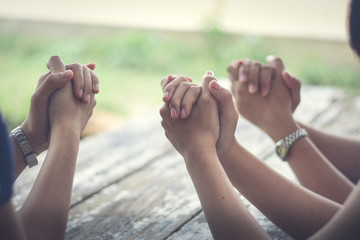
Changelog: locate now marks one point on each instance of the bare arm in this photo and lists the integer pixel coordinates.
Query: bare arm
(10, 224)
(195, 139)
(226, 215)
(44, 213)
(296, 210)
(346, 222)
(343, 152)
(273, 114)
(36, 126)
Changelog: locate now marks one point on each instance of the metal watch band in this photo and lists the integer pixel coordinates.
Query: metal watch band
(24, 145)
(283, 146)
(299, 133)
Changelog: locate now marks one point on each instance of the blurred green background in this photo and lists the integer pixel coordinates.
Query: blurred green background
(130, 63)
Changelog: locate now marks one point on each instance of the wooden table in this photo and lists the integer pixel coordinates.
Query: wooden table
(131, 184)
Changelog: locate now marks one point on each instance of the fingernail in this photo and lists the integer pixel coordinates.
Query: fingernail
(243, 78)
(252, 88)
(264, 92)
(239, 63)
(171, 77)
(215, 86)
(166, 95)
(270, 57)
(81, 93)
(288, 75)
(210, 73)
(174, 113)
(189, 78)
(183, 113)
(66, 74)
(96, 87)
(87, 98)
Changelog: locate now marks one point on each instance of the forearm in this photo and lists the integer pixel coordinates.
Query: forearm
(346, 222)
(10, 225)
(311, 167)
(227, 217)
(296, 210)
(45, 211)
(343, 152)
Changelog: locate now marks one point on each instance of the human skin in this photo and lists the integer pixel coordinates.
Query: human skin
(44, 212)
(255, 180)
(36, 126)
(342, 151)
(195, 138)
(273, 114)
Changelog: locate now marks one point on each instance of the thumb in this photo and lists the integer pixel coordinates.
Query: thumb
(294, 86)
(55, 64)
(222, 96)
(51, 84)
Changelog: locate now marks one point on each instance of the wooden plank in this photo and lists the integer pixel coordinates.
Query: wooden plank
(197, 228)
(150, 204)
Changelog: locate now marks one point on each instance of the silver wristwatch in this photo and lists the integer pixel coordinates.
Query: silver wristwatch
(24, 145)
(282, 147)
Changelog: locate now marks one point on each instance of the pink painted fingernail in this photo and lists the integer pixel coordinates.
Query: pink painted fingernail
(252, 88)
(215, 86)
(87, 98)
(166, 96)
(189, 78)
(211, 73)
(264, 92)
(96, 87)
(183, 113)
(171, 77)
(174, 113)
(243, 78)
(288, 75)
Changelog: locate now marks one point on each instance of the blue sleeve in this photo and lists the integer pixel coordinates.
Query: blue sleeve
(6, 163)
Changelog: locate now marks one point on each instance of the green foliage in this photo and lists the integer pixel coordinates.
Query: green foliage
(131, 63)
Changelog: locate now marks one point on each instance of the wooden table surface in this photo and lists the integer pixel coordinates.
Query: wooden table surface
(131, 184)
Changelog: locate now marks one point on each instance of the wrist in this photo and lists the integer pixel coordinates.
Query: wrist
(199, 155)
(65, 129)
(282, 128)
(36, 143)
(224, 149)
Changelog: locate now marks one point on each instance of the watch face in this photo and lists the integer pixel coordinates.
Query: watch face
(281, 150)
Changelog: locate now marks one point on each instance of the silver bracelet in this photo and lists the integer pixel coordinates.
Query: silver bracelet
(282, 147)
(24, 145)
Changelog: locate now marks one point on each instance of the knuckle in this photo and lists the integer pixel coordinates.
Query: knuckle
(184, 84)
(195, 89)
(76, 65)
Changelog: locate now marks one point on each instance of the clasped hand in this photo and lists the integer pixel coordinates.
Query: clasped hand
(213, 116)
(42, 115)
